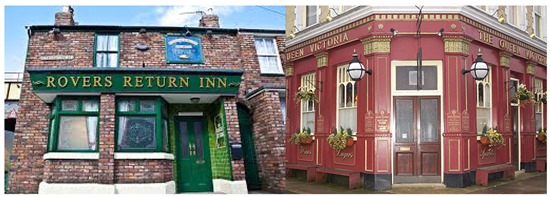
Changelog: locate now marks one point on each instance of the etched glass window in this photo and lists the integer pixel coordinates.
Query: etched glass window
(308, 106)
(429, 120)
(74, 124)
(347, 100)
(483, 103)
(405, 119)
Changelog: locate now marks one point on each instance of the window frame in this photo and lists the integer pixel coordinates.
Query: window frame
(55, 117)
(97, 34)
(312, 76)
(339, 81)
(537, 23)
(276, 55)
(160, 116)
(486, 81)
(539, 107)
(317, 14)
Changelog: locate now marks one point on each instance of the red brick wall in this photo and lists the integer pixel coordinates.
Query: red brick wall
(106, 138)
(71, 171)
(143, 171)
(268, 130)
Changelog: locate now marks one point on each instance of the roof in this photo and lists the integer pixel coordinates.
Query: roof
(112, 28)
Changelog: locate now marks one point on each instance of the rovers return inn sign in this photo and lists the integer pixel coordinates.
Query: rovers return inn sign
(135, 80)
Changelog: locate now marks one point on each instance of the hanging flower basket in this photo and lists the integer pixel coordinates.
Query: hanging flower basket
(523, 94)
(543, 98)
(306, 140)
(349, 142)
(541, 138)
(305, 94)
(541, 135)
(484, 140)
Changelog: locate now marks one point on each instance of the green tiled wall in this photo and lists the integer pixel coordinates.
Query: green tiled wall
(221, 164)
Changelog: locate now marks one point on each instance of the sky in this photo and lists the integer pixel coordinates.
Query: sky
(17, 17)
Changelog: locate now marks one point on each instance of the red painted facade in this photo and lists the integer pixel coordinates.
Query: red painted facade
(460, 152)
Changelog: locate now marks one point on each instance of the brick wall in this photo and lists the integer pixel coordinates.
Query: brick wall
(71, 171)
(232, 120)
(143, 171)
(269, 139)
(106, 138)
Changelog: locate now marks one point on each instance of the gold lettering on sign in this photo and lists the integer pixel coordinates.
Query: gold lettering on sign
(303, 151)
(295, 54)
(485, 37)
(50, 82)
(171, 82)
(149, 81)
(108, 81)
(139, 82)
(163, 82)
(509, 46)
(97, 81)
(62, 81)
(535, 56)
(75, 82)
(184, 81)
(127, 81)
(487, 152)
(344, 155)
(542, 146)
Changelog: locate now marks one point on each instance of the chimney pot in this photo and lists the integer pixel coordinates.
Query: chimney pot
(209, 20)
(65, 17)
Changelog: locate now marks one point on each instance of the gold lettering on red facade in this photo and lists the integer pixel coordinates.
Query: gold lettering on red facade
(486, 37)
(303, 151)
(344, 155)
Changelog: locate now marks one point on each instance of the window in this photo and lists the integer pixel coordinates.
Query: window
(142, 124)
(311, 15)
(308, 107)
(538, 20)
(282, 101)
(513, 89)
(106, 50)
(483, 103)
(512, 15)
(74, 124)
(268, 56)
(538, 105)
(346, 100)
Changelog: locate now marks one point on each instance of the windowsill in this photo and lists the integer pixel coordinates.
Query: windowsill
(272, 74)
(70, 155)
(157, 155)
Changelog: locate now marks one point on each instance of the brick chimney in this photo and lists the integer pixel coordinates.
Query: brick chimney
(209, 20)
(65, 17)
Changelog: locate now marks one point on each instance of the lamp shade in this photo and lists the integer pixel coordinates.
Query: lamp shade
(355, 70)
(479, 69)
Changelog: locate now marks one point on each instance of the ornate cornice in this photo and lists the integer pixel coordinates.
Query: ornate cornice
(376, 44)
(530, 68)
(322, 59)
(457, 44)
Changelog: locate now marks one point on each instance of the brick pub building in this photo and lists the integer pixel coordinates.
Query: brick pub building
(402, 133)
(144, 109)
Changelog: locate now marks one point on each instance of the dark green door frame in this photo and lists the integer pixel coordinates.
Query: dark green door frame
(253, 181)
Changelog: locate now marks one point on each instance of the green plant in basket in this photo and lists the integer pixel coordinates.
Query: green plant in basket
(523, 94)
(541, 135)
(306, 94)
(301, 137)
(339, 140)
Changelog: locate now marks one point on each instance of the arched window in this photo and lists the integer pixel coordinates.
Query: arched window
(484, 103)
(346, 100)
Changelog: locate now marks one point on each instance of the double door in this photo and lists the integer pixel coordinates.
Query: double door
(417, 157)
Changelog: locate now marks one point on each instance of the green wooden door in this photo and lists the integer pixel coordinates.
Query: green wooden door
(193, 155)
(253, 181)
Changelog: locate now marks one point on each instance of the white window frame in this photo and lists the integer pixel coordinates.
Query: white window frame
(539, 107)
(538, 30)
(343, 78)
(511, 99)
(307, 81)
(317, 13)
(485, 105)
(269, 55)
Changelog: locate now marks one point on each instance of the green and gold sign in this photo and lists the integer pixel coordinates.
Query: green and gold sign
(191, 81)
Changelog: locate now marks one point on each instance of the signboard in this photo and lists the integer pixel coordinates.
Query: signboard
(151, 81)
(183, 49)
(56, 57)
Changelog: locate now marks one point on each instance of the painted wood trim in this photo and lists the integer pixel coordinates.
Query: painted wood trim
(167, 156)
(70, 155)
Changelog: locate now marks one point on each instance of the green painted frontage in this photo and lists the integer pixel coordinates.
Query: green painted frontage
(219, 155)
(142, 80)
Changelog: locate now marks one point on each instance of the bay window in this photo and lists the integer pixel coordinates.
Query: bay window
(74, 124)
(141, 124)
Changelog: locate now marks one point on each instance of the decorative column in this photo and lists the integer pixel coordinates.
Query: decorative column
(291, 87)
(459, 137)
(321, 134)
(528, 121)
(504, 113)
(377, 136)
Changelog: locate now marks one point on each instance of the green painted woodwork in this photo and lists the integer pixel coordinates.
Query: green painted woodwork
(194, 156)
(249, 153)
(158, 114)
(95, 46)
(57, 113)
(221, 162)
(150, 81)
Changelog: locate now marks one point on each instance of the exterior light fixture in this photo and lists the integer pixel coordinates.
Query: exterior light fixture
(292, 35)
(532, 36)
(195, 100)
(394, 31)
(501, 19)
(329, 18)
(55, 31)
(356, 70)
(479, 69)
(440, 32)
(142, 31)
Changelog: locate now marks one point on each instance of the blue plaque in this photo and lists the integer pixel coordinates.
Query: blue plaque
(183, 50)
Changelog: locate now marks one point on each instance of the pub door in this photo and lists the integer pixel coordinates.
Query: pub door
(417, 148)
(515, 123)
(193, 155)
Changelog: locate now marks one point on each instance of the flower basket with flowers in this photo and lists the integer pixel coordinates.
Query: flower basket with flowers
(523, 94)
(541, 135)
(494, 137)
(305, 94)
(543, 98)
(302, 137)
(340, 139)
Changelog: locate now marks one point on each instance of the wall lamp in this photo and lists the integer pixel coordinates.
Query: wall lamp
(356, 70)
(292, 35)
(440, 32)
(195, 100)
(329, 18)
(142, 31)
(479, 69)
(394, 31)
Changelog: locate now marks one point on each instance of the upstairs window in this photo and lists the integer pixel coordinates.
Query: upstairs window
(106, 50)
(268, 56)
(312, 15)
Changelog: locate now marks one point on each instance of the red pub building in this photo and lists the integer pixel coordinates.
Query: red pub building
(409, 127)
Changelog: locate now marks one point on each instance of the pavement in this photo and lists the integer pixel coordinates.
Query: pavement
(525, 183)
